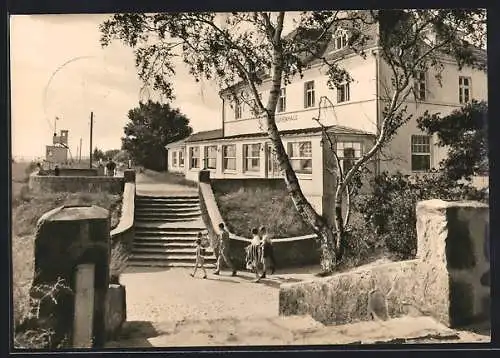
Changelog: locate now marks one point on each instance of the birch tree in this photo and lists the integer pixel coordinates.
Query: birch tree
(240, 50)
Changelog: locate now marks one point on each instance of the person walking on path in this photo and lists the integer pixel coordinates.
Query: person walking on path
(224, 251)
(110, 167)
(268, 261)
(254, 254)
(200, 251)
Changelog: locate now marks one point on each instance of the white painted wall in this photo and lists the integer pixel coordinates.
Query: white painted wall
(441, 99)
(358, 113)
(175, 151)
(311, 184)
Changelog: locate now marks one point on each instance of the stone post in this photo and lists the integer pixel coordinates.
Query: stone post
(67, 237)
(204, 176)
(453, 249)
(129, 176)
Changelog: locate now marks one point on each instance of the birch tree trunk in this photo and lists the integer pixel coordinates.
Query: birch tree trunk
(304, 208)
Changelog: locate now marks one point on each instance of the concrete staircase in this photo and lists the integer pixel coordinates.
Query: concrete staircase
(165, 232)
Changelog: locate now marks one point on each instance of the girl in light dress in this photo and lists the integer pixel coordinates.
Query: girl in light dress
(200, 252)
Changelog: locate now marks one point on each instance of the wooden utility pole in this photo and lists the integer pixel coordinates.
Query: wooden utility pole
(91, 128)
(80, 153)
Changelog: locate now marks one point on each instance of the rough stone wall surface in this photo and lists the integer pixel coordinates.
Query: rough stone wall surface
(46, 183)
(65, 238)
(343, 298)
(449, 279)
(452, 240)
(295, 252)
(115, 309)
(288, 252)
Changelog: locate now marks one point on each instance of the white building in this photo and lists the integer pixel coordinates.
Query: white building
(241, 149)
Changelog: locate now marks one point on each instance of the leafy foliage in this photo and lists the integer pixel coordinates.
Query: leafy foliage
(152, 126)
(389, 212)
(465, 133)
(122, 156)
(98, 154)
(111, 153)
(241, 50)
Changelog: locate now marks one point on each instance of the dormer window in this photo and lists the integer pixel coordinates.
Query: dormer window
(340, 39)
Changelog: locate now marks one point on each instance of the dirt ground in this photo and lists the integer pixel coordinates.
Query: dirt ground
(168, 308)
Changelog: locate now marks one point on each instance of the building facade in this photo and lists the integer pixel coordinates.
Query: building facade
(351, 112)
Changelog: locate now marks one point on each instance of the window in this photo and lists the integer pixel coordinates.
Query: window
(237, 109)
(420, 153)
(300, 154)
(464, 89)
(309, 94)
(282, 101)
(194, 157)
(229, 157)
(181, 158)
(211, 157)
(174, 158)
(420, 86)
(340, 40)
(348, 153)
(343, 94)
(251, 157)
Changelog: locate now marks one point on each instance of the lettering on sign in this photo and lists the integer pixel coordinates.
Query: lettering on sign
(291, 117)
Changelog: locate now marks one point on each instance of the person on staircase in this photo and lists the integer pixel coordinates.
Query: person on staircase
(224, 253)
(200, 252)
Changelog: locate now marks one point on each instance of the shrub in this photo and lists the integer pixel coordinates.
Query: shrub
(117, 262)
(389, 212)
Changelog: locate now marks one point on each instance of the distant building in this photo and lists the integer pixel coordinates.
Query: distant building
(241, 149)
(58, 151)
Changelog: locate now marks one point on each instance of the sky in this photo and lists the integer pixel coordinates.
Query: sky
(58, 69)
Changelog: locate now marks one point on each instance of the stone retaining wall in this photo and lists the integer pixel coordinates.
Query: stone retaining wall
(449, 279)
(289, 252)
(116, 303)
(52, 183)
(124, 231)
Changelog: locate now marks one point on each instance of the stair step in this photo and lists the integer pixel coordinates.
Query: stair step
(167, 234)
(169, 197)
(167, 257)
(169, 251)
(167, 219)
(167, 209)
(174, 226)
(166, 204)
(138, 263)
(166, 238)
(167, 214)
(174, 243)
(168, 201)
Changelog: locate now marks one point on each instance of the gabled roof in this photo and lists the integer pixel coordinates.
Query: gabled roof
(217, 133)
(175, 144)
(205, 135)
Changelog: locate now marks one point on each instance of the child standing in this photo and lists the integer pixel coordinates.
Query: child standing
(256, 253)
(267, 252)
(200, 251)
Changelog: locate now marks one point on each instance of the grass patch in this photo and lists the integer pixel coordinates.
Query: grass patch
(165, 177)
(27, 208)
(246, 208)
